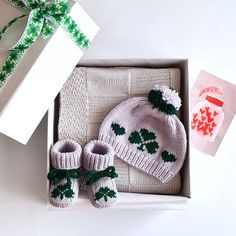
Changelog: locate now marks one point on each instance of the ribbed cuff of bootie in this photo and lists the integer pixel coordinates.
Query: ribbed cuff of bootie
(98, 155)
(98, 159)
(66, 154)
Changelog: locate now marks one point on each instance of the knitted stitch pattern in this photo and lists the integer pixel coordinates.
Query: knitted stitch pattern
(146, 138)
(65, 157)
(98, 157)
(93, 93)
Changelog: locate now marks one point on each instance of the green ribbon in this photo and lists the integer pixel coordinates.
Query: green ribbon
(93, 176)
(44, 16)
(55, 175)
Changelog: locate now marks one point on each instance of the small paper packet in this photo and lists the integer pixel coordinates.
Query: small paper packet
(213, 108)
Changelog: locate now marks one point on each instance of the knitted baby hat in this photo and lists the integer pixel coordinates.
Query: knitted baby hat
(146, 133)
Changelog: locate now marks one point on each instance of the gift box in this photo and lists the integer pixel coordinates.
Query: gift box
(41, 72)
(137, 200)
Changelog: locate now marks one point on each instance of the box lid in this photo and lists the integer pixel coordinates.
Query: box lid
(25, 106)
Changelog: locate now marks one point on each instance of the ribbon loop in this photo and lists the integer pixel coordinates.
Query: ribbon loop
(9, 24)
(44, 18)
(19, 4)
(57, 8)
(93, 176)
(56, 175)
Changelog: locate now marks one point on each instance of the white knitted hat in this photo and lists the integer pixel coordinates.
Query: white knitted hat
(146, 133)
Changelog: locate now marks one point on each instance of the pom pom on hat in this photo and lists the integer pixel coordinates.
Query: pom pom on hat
(165, 99)
(153, 142)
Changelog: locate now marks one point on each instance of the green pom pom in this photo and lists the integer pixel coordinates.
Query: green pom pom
(155, 98)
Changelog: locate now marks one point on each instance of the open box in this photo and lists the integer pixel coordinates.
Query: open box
(137, 200)
(45, 67)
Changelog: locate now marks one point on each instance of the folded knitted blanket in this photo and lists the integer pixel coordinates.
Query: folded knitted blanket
(91, 93)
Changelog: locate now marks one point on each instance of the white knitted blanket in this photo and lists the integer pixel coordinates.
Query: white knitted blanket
(91, 93)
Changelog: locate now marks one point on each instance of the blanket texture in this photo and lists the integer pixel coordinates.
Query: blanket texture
(91, 93)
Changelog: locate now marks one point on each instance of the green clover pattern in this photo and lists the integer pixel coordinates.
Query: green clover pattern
(105, 193)
(167, 156)
(118, 129)
(38, 24)
(145, 140)
(63, 190)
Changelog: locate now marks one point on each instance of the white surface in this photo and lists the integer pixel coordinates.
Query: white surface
(28, 105)
(202, 30)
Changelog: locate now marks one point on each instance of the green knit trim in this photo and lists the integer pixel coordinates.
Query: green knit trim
(155, 97)
(168, 157)
(105, 192)
(145, 140)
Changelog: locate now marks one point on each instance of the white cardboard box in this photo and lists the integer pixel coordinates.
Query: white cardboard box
(39, 76)
(137, 200)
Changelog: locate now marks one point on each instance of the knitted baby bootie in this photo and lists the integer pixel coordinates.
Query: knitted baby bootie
(64, 174)
(98, 159)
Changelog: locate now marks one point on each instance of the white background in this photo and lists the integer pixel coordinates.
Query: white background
(202, 30)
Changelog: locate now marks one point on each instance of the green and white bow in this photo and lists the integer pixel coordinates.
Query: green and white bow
(44, 16)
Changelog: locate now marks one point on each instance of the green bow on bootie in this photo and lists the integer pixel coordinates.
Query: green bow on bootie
(55, 175)
(63, 190)
(44, 16)
(93, 176)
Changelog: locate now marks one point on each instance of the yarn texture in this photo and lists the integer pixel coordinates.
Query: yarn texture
(64, 174)
(98, 159)
(154, 140)
(92, 93)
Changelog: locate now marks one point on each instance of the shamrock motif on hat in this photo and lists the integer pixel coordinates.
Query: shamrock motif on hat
(146, 133)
